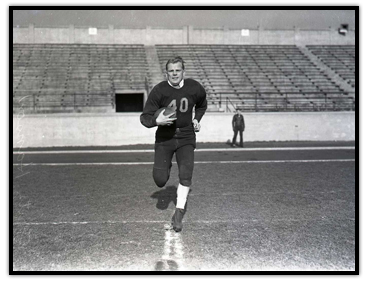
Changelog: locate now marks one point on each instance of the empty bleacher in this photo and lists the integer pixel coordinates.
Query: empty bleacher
(259, 77)
(340, 58)
(75, 76)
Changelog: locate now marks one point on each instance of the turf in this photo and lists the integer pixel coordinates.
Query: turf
(253, 216)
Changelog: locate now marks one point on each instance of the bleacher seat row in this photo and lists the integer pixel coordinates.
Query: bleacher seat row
(340, 58)
(252, 77)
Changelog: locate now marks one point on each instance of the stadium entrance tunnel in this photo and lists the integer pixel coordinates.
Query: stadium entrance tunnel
(130, 101)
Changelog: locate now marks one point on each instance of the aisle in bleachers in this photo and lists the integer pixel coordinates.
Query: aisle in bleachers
(340, 58)
(259, 77)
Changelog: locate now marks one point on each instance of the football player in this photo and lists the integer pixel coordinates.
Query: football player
(175, 134)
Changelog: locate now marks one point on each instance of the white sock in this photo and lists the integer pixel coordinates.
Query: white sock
(182, 194)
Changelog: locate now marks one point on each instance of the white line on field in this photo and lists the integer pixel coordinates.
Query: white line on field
(86, 222)
(197, 162)
(197, 150)
(152, 221)
(173, 250)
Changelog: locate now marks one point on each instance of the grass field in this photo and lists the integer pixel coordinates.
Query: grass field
(276, 210)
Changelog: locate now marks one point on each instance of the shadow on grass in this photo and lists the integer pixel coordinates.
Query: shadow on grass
(165, 197)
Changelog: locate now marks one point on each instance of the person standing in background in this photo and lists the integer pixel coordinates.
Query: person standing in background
(238, 126)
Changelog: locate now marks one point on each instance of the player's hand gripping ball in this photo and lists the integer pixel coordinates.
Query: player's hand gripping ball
(196, 125)
(165, 116)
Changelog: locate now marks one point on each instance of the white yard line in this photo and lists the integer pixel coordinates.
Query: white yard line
(197, 162)
(197, 150)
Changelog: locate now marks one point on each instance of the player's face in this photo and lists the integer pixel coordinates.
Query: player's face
(175, 73)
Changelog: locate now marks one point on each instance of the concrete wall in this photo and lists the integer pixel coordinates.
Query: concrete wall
(21, 35)
(129, 36)
(185, 35)
(122, 129)
(277, 37)
(51, 35)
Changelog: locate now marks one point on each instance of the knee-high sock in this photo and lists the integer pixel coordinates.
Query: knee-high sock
(182, 194)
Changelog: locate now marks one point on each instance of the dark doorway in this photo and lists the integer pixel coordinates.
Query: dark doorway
(129, 102)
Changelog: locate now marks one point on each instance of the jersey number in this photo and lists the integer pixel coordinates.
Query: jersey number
(183, 105)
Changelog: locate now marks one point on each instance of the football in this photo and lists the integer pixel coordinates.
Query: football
(167, 111)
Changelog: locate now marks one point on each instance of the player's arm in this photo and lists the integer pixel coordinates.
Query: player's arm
(200, 108)
(201, 104)
(151, 106)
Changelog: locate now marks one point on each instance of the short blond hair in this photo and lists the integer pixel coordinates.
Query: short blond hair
(175, 60)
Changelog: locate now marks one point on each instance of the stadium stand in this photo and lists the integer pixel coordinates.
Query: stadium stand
(85, 77)
(340, 58)
(260, 77)
(66, 77)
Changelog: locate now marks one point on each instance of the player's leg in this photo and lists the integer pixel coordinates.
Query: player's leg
(164, 152)
(241, 138)
(234, 138)
(185, 160)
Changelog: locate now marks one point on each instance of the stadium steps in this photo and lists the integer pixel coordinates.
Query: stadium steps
(334, 76)
(340, 58)
(155, 73)
(230, 72)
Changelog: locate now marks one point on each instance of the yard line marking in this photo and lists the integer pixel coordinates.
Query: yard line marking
(196, 162)
(197, 150)
(278, 149)
(176, 235)
(66, 164)
(87, 222)
(172, 257)
(276, 161)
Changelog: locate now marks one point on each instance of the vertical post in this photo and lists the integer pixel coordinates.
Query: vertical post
(190, 34)
(71, 33)
(185, 35)
(330, 34)
(31, 35)
(225, 36)
(286, 101)
(325, 106)
(111, 34)
(255, 104)
(260, 31)
(220, 101)
(148, 36)
(296, 35)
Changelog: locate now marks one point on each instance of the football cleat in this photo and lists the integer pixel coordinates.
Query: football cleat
(176, 220)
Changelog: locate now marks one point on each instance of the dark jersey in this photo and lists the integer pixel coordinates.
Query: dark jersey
(238, 122)
(191, 95)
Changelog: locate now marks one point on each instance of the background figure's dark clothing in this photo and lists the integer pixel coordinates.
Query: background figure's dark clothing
(238, 126)
(236, 135)
(178, 138)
